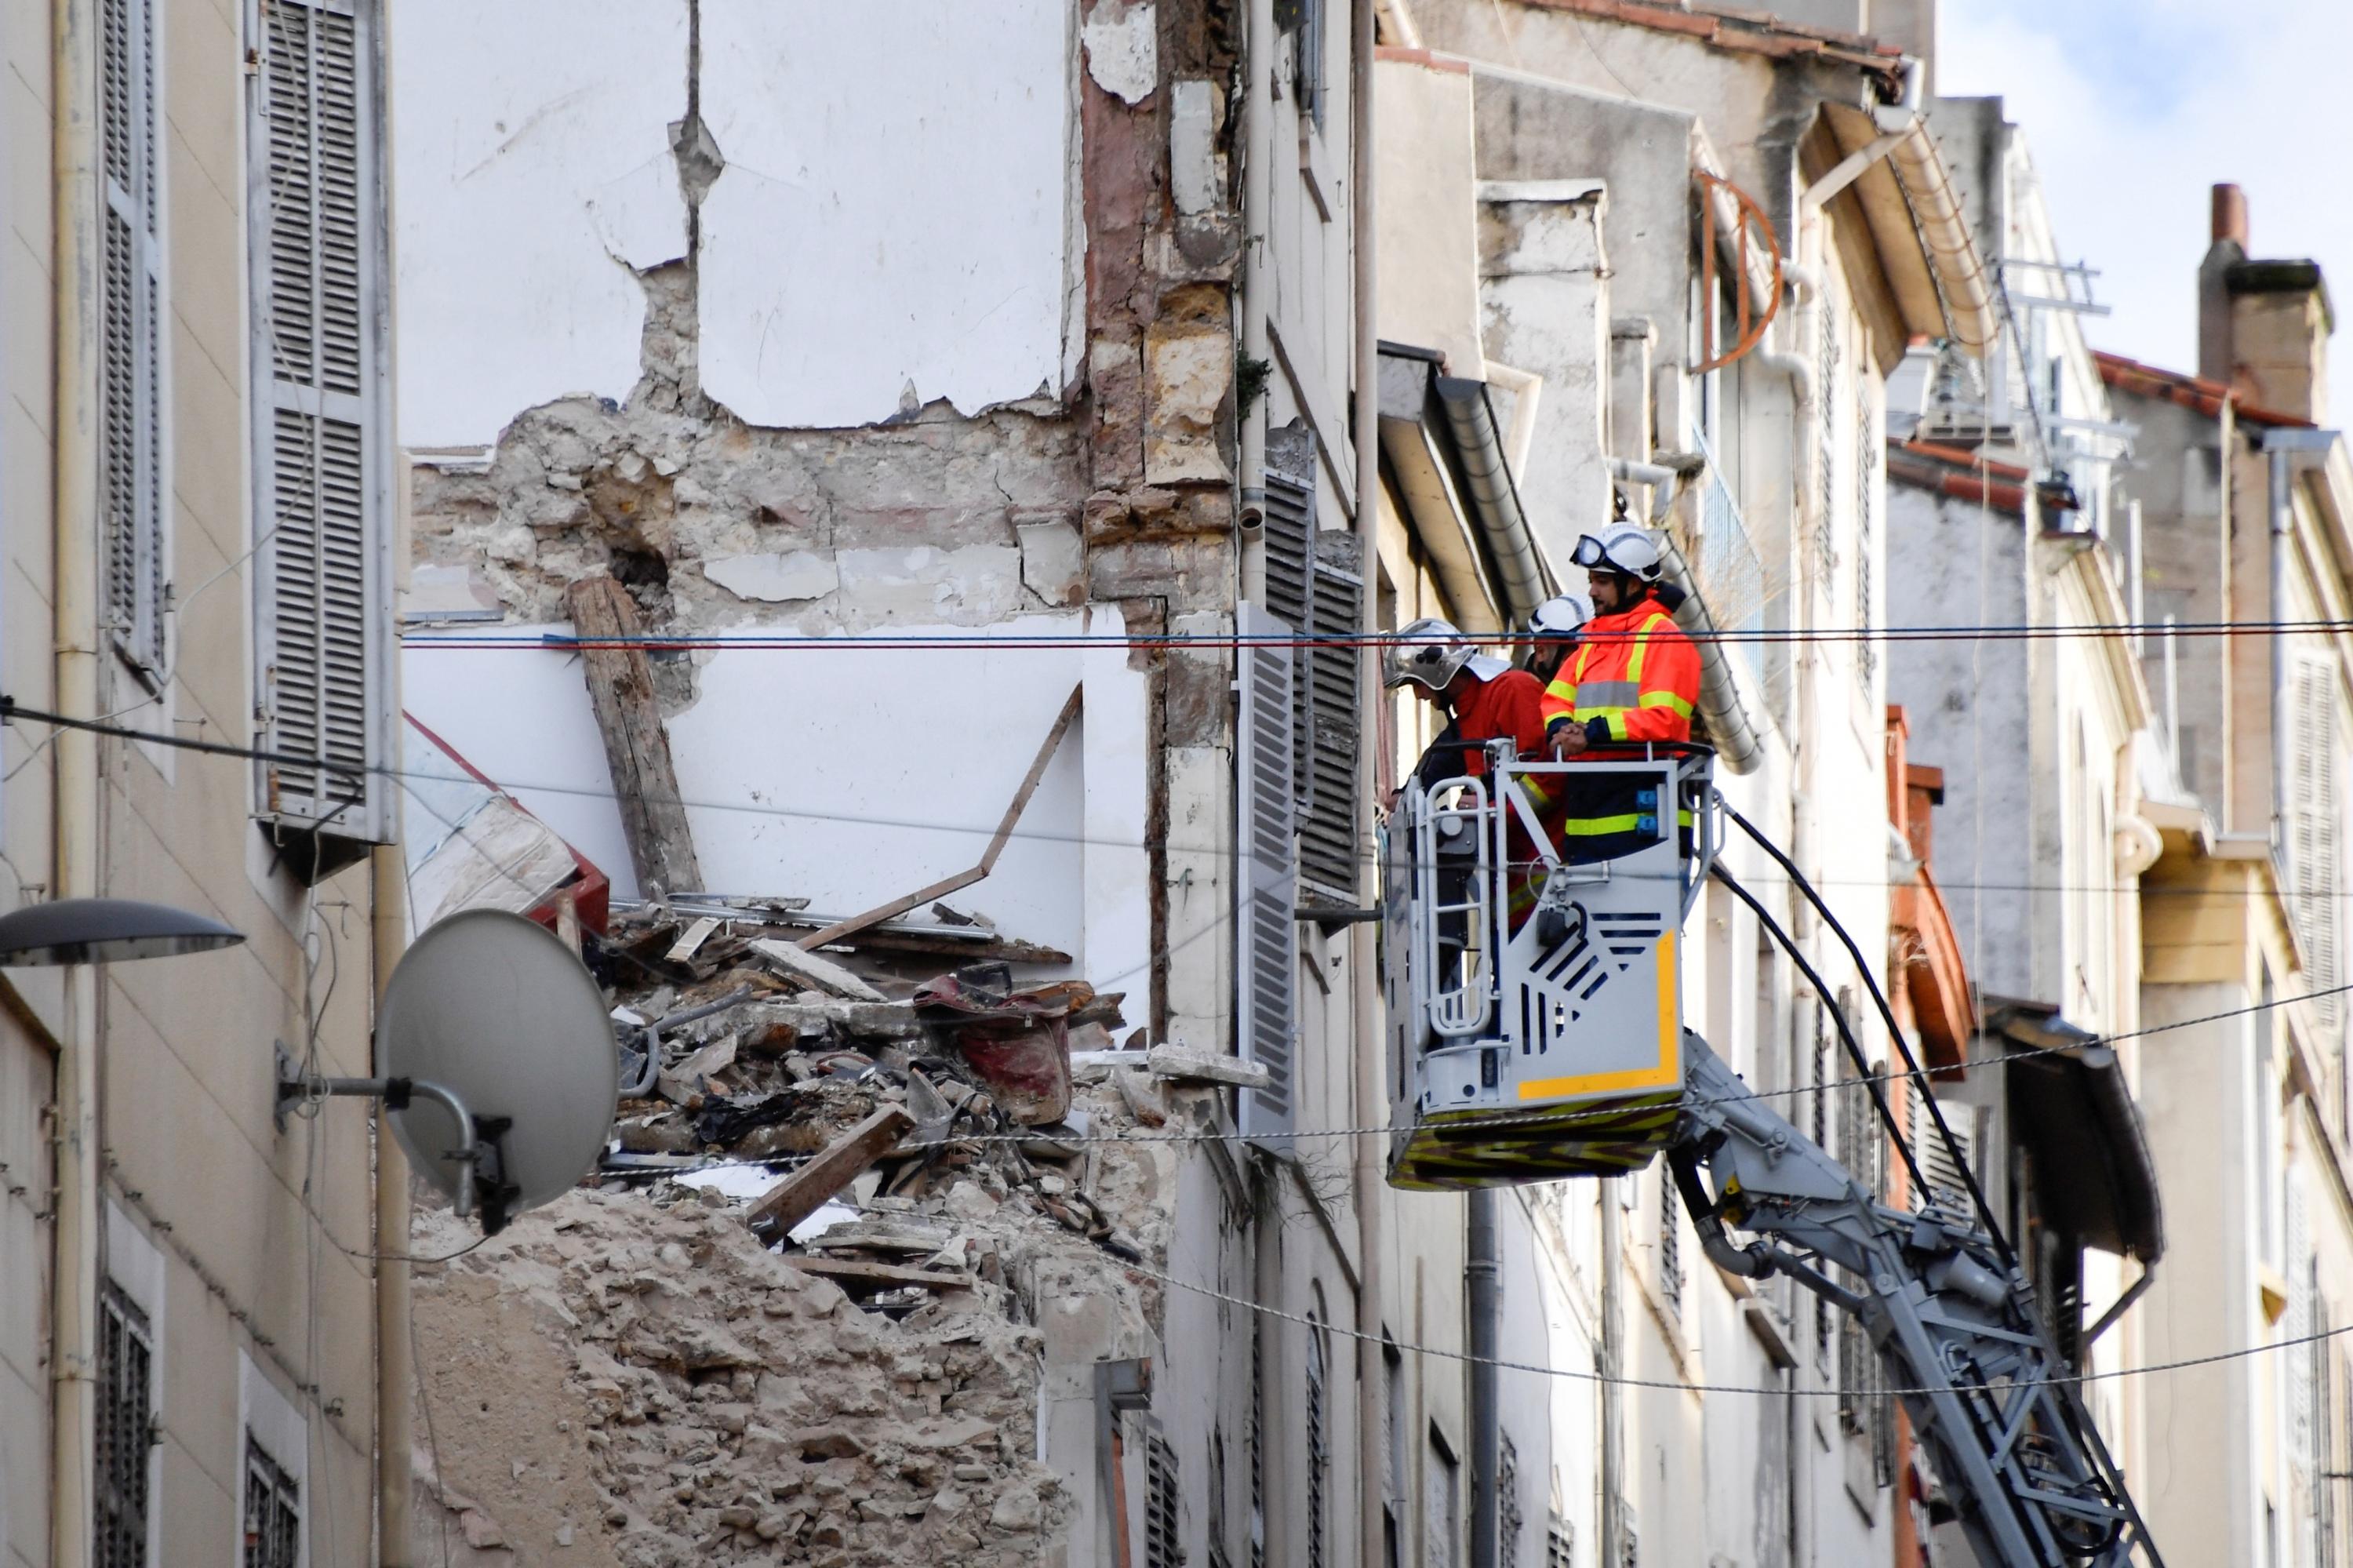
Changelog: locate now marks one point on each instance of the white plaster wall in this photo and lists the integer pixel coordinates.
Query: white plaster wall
(849, 775)
(521, 715)
(532, 170)
(1428, 221)
(890, 228)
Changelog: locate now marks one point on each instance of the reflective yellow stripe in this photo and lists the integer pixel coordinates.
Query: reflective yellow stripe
(1666, 700)
(1616, 723)
(1596, 827)
(1641, 647)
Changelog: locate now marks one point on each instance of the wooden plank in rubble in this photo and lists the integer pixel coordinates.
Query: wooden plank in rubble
(637, 746)
(798, 1195)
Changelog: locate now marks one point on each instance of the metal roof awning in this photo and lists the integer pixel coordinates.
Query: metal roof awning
(1443, 452)
(2072, 1107)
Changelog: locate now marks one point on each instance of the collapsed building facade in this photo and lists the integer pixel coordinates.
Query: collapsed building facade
(934, 394)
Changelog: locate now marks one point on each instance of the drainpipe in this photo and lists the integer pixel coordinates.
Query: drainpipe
(1483, 1273)
(1613, 1400)
(387, 876)
(74, 543)
(1257, 274)
(1364, 1000)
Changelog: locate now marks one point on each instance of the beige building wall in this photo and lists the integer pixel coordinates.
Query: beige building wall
(246, 1247)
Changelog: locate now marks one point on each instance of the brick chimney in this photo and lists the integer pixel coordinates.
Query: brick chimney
(2226, 247)
(2263, 326)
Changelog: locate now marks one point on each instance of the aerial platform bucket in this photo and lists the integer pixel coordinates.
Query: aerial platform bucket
(1535, 1023)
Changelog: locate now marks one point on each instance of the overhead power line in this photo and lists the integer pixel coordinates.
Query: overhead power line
(770, 642)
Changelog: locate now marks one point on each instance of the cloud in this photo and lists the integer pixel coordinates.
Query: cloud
(2132, 109)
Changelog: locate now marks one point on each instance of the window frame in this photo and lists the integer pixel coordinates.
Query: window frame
(271, 1427)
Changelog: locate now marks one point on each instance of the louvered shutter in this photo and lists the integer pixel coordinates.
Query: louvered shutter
(1329, 862)
(1936, 1160)
(1163, 1539)
(2315, 849)
(2301, 1289)
(1314, 582)
(321, 452)
(1289, 532)
(131, 340)
(1266, 963)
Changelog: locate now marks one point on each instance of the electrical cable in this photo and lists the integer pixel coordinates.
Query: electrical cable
(1276, 1139)
(1132, 641)
(1876, 1081)
(2070, 1380)
(10, 709)
(1894, 1030)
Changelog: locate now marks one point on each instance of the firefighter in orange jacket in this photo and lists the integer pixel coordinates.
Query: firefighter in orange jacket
(1634, 678)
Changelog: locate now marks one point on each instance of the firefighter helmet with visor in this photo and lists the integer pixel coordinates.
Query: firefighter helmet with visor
(1629, 551)
(1430, 653)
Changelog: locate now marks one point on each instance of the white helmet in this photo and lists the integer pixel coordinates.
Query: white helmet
(1623, 548)
(1430, 653)
(1561, 616)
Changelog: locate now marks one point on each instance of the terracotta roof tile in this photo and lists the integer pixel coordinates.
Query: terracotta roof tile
(2194, 392)
(1747, 31)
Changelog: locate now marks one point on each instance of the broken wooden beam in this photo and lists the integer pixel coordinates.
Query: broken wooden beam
(798, 1195)
(987, 863)
(637, 746)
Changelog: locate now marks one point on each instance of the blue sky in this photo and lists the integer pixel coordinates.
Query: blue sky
(2134, 108)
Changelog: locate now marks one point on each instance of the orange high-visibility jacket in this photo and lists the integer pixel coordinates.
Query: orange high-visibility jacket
(1635, 676)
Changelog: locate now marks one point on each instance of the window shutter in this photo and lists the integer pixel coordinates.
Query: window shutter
(1315, 583)
(2314, 849)
(321, 460)
(131, 346)
(1163, 1543)
(1329, 860)
(1937, 1160)
(1266, 960)
(2302, 1287)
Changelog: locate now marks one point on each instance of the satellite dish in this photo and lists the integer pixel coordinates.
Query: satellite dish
(500, 1013)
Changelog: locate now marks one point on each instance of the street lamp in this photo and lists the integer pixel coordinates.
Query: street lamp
(106, 931)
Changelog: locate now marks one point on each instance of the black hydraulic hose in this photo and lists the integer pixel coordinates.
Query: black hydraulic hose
(1846, 1030)
(1894, 1032)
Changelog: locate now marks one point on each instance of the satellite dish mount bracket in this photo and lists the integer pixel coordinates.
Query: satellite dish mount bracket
(480, 1161)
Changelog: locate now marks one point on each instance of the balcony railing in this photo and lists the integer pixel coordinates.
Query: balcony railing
(1723, 564)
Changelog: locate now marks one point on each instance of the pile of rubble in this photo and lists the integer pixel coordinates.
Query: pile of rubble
(794, 1321)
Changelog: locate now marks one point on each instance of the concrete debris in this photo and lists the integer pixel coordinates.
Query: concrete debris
(818, 970)
(642, 1375)
(631, 1372)
(1176, 1062)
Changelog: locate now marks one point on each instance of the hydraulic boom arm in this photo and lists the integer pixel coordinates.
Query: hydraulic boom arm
(1986, 1393)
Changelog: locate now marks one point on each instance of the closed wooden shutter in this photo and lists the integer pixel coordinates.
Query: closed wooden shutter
(1315, 583)
(131, 342)
(2302, 1287)
(2315, 849)
(1330, 865)
(1163, 1539)
(1266, 958)
(325, 613)
(1950, 1188)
